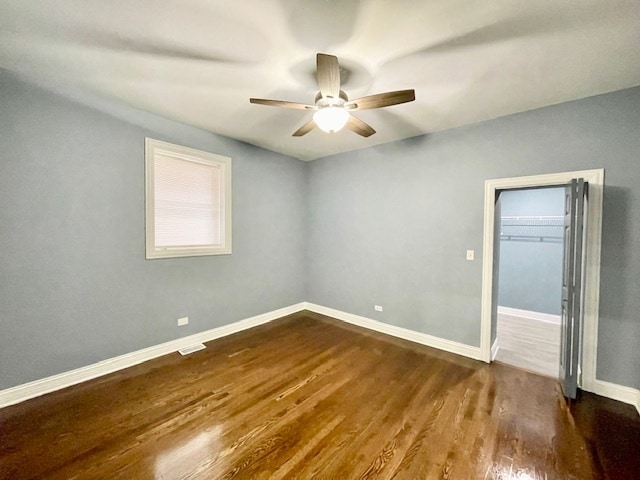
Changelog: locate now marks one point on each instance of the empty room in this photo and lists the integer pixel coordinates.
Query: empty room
(319, 239)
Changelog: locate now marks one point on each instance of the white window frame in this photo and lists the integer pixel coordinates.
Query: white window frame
(156, 147)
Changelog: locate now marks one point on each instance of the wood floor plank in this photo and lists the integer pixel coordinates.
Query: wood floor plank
(308, 397)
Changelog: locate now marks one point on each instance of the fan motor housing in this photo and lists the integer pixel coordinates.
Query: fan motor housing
(322, 102)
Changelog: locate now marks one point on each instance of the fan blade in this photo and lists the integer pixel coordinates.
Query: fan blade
(328, 72)
(381, 100)
(282, 103)
(304, 129)
(356, 125)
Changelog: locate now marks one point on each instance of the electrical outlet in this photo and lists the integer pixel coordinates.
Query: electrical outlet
(377, 308)
(183, 321)
(470, 254)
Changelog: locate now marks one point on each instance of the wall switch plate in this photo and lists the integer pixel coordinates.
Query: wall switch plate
(183, 321)
(470, 254)
(377, 308)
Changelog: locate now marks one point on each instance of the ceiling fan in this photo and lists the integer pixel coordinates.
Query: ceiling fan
(332, 106)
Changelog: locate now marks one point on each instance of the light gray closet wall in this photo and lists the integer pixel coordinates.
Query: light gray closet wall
(530, 269)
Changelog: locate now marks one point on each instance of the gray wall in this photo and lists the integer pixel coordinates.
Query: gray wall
(75, 287)
(390, 224)
(530, 273)
(385, 225)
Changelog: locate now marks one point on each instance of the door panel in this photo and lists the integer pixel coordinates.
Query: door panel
(571, 318)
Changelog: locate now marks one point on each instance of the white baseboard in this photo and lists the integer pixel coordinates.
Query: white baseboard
(417, 337)
(616, 392)
(494, 349)
(516, 312)
(599, 387)
(20, 393)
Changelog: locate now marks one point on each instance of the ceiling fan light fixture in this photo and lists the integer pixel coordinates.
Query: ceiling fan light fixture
(333, 107)
(331, 119)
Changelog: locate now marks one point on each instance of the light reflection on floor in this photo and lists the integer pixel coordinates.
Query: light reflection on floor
(203, 447)
(506, 471)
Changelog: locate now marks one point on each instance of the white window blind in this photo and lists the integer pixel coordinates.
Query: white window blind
(187, 202)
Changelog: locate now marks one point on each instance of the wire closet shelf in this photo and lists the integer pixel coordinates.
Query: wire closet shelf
(532, 229)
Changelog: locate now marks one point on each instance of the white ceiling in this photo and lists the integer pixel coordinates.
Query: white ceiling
(199, 61)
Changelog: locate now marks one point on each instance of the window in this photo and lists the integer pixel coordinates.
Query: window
(188, 201)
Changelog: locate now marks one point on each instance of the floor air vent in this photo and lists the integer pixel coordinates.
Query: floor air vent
(191, 349)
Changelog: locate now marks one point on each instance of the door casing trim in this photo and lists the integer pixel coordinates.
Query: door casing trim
(595, 179)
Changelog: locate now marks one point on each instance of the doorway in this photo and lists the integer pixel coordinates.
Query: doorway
(595, 179)
(530, 254)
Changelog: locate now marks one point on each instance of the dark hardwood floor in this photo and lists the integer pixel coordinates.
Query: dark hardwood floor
(310, 397)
